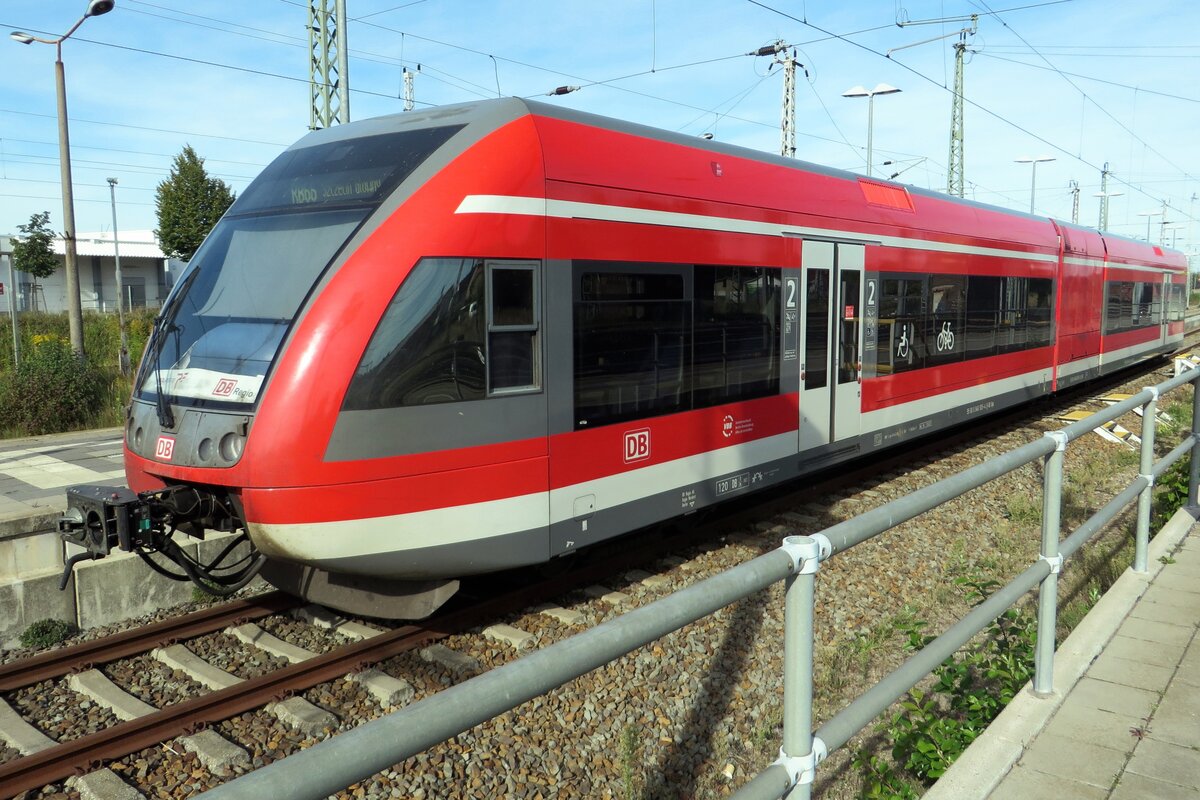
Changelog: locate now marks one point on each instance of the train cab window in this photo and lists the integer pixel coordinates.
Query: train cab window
(512, 355)
(429, 346)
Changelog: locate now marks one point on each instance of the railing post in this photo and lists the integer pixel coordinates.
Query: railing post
(1194, 477)
(1043, 675)
(1142, 535)
(800, 752)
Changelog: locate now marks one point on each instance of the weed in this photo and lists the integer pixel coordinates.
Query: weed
(1166, 560)
(880, 781)
(1175, 419)
(970, 689)
(631, 750)
(1024, 510)
(1171, 491)
(770, 728)
(47, 633)
(200, 595)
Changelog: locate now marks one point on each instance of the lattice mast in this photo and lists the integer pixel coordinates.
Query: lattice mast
(955, 181)
(329, 75)
(787, 123)
(956, 174)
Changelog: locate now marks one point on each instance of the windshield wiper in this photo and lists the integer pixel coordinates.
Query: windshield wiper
(166, 417)
(165, 324)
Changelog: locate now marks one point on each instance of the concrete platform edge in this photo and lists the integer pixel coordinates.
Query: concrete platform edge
(101, 592)
(980, 769)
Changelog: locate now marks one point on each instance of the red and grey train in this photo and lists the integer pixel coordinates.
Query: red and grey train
(481, 336)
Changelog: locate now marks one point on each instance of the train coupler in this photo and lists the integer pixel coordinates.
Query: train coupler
(101, 519)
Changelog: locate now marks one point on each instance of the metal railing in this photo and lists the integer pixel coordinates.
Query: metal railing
(375, 746)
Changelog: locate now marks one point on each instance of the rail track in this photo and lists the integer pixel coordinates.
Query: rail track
(485, 601)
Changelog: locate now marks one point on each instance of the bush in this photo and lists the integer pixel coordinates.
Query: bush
(47, 633)
(52, 390)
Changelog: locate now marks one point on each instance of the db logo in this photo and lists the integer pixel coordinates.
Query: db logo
(165, 448)
(637, 445)
(224, 388)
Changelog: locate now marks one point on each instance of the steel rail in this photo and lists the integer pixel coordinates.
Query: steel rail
(83, 754)
(56, 663)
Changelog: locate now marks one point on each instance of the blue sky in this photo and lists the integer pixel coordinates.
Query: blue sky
(1084, 81)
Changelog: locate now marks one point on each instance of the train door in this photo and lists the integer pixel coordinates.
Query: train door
(1164, 310)
(831, 342)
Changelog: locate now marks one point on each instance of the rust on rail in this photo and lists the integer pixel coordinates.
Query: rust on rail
(56, 663)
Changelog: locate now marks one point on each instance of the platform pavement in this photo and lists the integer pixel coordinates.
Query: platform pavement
(35, 471)
(1124, 721)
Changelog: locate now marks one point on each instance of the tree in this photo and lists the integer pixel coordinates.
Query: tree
(189, 204)
(33, 252)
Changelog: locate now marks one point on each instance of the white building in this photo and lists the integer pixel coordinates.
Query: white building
(146, 274)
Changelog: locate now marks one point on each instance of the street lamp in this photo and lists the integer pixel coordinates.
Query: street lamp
(859, 91)
(123, 356)
(1104, 206)
(1033, 180)
(74, 309)
(1148, 215)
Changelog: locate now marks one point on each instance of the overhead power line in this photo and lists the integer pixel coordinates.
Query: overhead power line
(973, 103)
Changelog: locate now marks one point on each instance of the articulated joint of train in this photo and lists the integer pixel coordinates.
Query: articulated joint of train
(103, 518)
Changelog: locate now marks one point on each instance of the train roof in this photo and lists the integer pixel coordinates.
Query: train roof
(491, 114)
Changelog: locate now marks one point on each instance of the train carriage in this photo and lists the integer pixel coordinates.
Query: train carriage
(482, 336)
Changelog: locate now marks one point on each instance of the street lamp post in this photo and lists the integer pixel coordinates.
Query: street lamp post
(1033, 179)
(1104, 206)
(859, 91)
(74, 308)
(123, 356)
(1149, 215)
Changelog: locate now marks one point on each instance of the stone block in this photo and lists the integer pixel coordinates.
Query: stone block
(121, 586)
(103, 784)
(34, 597)
(217, 754)
(30, 553)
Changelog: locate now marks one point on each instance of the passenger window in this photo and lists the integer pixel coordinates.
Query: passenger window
(736, 334)
(900, 343)
(983, 314)
(512, 328)
(1041, 312)
(946, 332)
(632, 346)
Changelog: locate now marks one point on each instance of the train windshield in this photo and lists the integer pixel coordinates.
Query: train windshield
(223, 324)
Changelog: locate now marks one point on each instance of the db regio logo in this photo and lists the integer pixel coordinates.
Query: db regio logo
(637, 445)
(224, 387)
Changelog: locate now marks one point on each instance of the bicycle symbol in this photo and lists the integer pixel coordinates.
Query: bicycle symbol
(945, 338)
(902, 345)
